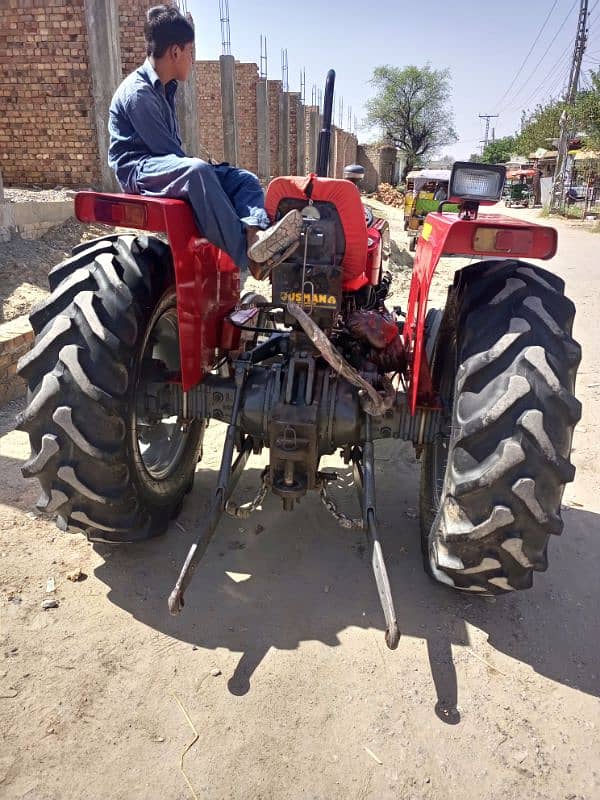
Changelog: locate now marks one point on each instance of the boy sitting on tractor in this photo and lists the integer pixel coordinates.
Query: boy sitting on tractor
(147, 156)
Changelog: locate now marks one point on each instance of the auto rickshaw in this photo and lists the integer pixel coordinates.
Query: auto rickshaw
(518, 190)
(425, 190)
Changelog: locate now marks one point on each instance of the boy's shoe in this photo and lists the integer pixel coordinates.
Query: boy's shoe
(262, 270)
(273, 245)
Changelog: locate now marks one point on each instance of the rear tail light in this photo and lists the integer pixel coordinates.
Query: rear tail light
(536, 241)
(120, 213)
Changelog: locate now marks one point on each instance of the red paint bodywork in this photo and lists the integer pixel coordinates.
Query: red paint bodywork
(446, 234)
(373, 267)
(207, 280)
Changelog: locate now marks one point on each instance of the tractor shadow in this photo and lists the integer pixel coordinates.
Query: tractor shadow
(276, 580)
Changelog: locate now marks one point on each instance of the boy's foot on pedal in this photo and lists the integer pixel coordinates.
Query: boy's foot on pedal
(268, 248)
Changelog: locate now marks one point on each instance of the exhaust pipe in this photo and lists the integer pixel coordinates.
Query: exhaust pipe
(322, 166)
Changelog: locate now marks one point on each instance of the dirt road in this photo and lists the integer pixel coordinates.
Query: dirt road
(275, 682)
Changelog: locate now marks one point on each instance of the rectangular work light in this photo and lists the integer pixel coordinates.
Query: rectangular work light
(481, 183)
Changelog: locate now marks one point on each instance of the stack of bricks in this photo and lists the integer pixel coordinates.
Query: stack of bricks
(47, 135)
(210, 112)
(16, 338)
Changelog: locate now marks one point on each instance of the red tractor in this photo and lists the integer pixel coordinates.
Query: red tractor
(144, 339)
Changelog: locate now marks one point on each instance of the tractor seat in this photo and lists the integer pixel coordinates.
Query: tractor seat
(345, 196)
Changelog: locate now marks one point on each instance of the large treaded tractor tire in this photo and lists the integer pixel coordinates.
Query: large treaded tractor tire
(492, 483)
(109, 303)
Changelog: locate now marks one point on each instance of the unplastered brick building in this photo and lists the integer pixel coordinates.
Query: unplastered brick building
(62, 59)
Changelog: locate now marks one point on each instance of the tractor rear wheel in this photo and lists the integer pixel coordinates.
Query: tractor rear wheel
(106, 335)
(492, 483)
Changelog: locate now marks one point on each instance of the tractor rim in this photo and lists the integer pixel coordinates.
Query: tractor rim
(442, 440)
(161, 442)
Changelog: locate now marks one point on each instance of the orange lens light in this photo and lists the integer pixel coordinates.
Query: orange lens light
(502, 240)
(120, 213)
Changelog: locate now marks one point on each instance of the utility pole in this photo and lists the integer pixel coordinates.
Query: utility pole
(560, 173)
(487, 118)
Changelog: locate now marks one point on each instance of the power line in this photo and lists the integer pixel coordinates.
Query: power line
(550, 74)
(537, 38)
(545, 53)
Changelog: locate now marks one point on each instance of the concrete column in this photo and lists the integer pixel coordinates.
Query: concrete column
(102, 22)
(187, 114)
(230, 134)
(284, 133)
(262, 130)
(300, 140)
(314, 126)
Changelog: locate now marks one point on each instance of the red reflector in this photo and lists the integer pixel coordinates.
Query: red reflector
(510, 241)
(121, 213)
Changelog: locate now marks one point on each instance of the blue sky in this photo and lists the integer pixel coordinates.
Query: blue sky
(483, 44)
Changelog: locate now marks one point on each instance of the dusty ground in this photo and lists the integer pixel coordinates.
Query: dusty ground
(24, 263)
(103, 696)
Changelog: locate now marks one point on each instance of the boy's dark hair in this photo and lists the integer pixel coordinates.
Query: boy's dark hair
(166, 26)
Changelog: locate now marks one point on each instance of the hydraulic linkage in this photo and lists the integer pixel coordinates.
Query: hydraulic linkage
(363, 460)
(229, 476)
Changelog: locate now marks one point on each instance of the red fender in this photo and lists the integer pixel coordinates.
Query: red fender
(206, 279)
(490, 235)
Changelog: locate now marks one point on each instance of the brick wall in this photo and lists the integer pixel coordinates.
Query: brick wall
(246, 78)
(16, 338)
(47, 126)
(47, 131)
(368, 157)
(345, 152)
(132, 14)
(273, 92)
(210, 113)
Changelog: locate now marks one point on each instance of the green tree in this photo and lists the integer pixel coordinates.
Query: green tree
(499, 151)
(412, 108)
(587, 111)
(539, 127)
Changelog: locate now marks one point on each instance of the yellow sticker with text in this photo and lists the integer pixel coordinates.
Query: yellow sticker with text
(427, 228)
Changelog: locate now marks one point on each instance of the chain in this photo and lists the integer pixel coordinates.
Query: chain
(346, 522)
(243, 512)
